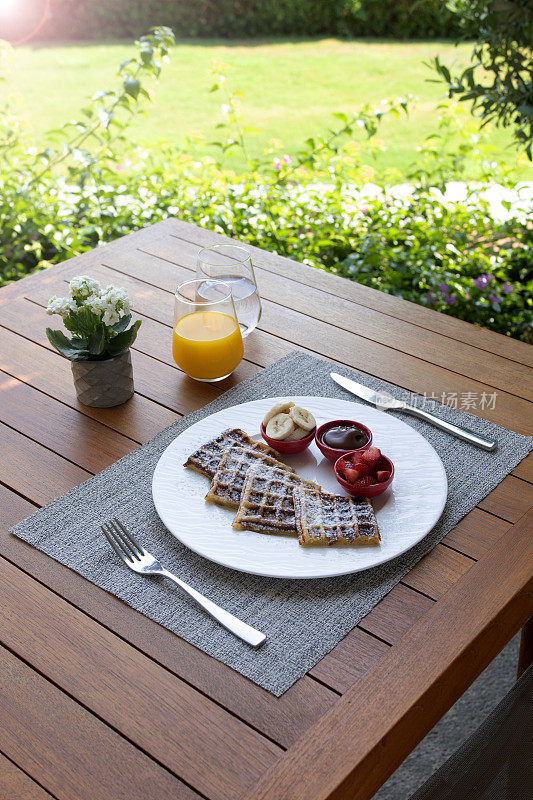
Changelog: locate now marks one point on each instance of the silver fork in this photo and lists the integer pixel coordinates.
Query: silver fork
(139, 560)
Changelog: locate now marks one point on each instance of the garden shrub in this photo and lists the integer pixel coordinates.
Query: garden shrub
(402, 19)
(502, 91)
(90, 185)
(112, 19)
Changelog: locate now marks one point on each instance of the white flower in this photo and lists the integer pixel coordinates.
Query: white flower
(60, 305)
(110, 317)
(82, 287)
(109, 304)
(95, 303)
(116, 299)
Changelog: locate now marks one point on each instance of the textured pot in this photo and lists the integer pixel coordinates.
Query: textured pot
(103, 383)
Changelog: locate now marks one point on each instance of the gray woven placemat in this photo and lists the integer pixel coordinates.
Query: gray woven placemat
(302, 619)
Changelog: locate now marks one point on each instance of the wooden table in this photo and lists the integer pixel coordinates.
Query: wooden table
(101, 702)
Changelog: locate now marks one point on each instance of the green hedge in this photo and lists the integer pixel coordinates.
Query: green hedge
(78, 191)
(104, 19)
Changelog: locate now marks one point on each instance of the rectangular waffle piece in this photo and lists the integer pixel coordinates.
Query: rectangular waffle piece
(326, 519)
(267, 504)
(207, 458)
(228, 480)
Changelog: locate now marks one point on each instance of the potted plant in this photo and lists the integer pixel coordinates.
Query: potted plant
(98, 349)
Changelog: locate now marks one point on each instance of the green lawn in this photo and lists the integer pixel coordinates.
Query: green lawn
(291, 88)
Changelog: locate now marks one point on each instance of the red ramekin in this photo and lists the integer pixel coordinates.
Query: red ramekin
(374, 489)
(333, 453)
(289, 448)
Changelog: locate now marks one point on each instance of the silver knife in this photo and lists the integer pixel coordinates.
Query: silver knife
(384, 400)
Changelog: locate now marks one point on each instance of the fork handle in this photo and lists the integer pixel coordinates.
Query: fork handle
(239, 628)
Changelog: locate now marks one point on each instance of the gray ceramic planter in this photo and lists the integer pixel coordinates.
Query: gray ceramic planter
(103, 383)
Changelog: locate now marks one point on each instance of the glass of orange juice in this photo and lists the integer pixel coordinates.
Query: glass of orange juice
(206, 342)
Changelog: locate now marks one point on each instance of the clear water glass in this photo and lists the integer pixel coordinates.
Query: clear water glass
(232, 263)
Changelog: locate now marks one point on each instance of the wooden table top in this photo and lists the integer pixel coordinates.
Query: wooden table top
(97, 701)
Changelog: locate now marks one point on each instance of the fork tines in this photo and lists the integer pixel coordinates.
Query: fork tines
(121, 540)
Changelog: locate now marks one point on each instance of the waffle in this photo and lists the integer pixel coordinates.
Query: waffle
(267, 504)
(229, 478)
(207, 458)
(326, 519)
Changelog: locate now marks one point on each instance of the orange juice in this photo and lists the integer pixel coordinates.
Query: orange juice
(207, 344)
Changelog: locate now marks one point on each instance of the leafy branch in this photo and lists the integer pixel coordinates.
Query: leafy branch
(283, 172)
(102, 122)
(499, 80)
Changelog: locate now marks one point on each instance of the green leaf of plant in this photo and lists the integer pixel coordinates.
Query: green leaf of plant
(82, 322)
(122, 324)
(445, 72)
(80, 343)
(132, 86)
(123, 340)
(65, 347)
(147, 55)
(70, 322)
(80, 355)
(96, 344)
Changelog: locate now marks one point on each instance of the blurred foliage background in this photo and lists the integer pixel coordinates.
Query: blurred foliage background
(115, 19)
(85, 181)
(291, 89)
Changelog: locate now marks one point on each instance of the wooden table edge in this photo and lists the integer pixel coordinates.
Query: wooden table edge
(352, 750)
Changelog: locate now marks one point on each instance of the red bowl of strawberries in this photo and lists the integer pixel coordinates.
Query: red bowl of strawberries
(364, 474)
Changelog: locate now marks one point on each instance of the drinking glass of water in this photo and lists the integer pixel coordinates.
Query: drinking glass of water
(231, 263)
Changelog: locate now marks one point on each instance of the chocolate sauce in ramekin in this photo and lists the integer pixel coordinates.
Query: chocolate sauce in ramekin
(345, 437)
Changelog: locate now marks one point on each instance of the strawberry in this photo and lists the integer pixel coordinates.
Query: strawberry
(357, 463)
(351, 474)
(358, 470)
(371, 456)
(367, 480)
(342, 466)
(383, 475)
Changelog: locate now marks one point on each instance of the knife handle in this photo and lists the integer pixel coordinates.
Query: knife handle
(455, 430)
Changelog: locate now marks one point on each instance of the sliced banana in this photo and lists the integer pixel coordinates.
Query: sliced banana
(280, 426)
(298, 433)
(282, 407)
(303, 418)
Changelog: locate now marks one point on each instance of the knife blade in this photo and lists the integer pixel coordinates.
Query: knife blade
(380, 399)
(384, 400)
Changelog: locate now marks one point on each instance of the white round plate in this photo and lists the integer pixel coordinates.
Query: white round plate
(406, 512)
